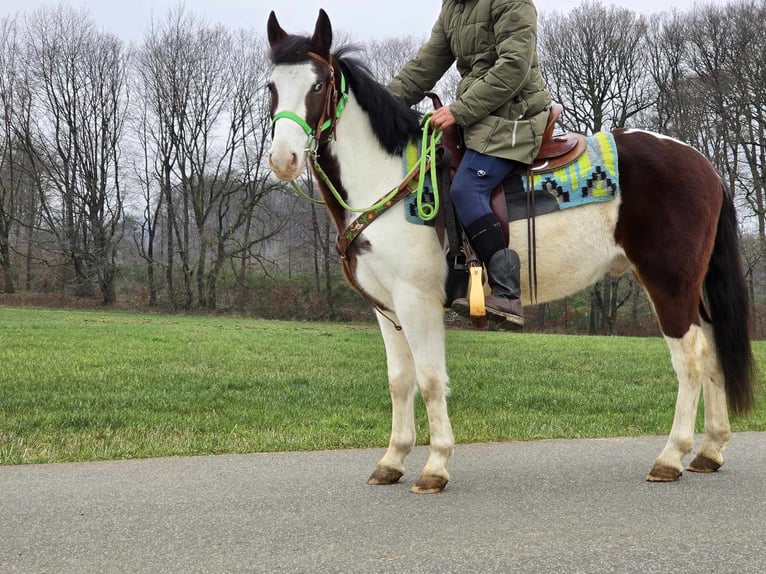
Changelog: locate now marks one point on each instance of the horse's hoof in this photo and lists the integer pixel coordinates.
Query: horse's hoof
(663, 473)
(429, 484)
(702, 463)
(384, 475)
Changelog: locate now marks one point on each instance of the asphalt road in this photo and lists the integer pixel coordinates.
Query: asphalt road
(547, 506)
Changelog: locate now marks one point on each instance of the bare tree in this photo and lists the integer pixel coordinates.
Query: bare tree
(386, 57)
(742, 103)
(147, 168)
(594, 63)
(259, 224)
(19, 211)
(729, 61)
(11, 93)
(205, 132)
(78, 77)
(164, 88)
(668, 66)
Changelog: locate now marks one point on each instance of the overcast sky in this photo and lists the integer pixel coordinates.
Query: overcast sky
(361, 19)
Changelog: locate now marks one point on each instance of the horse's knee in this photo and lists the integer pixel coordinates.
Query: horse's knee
(432, 383)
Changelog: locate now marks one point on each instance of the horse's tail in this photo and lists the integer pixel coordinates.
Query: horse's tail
(729, 306)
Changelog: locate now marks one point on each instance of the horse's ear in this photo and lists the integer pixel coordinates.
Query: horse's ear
(276, 33)
(322, 38)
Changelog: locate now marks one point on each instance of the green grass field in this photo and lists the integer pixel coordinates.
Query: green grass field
(83, 385)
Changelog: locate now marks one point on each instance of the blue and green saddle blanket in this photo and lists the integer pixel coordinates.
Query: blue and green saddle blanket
(591, 178)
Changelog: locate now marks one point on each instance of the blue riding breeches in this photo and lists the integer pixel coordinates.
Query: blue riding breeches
(476, 177)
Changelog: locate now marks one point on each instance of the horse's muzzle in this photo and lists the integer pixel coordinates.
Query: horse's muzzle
(286, 165)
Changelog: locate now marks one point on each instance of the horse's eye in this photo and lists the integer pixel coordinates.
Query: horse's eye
(271, 87)
(317, 87)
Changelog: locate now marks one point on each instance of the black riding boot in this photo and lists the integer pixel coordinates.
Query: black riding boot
(503, 275)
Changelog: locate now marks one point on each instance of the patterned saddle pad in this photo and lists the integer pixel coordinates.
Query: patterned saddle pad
(593, 177)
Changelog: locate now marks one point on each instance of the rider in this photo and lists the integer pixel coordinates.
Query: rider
(502, 104)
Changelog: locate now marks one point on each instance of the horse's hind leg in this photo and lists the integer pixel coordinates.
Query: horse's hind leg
(717, 428)
(401, 384)
(689, 355)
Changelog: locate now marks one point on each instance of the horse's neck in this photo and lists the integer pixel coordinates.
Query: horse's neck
(367, 170)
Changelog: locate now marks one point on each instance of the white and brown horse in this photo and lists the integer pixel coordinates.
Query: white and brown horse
(673, 226)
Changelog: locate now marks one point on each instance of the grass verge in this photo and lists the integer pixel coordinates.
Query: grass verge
(84, 385)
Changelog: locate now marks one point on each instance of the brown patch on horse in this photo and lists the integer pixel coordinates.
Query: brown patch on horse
(702, 463)
(663, 473)
(429, 484)
(659, 207)
(384, 475)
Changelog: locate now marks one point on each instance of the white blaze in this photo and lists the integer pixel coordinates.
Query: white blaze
(292, 83)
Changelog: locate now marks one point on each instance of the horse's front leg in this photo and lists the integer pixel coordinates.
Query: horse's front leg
(423, 325)
(401, 383)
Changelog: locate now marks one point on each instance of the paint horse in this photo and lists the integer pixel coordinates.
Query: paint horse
(673, 226)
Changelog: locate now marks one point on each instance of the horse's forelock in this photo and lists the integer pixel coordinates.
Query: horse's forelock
(291, 50)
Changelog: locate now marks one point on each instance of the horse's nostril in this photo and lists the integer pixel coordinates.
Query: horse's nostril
(294, 160)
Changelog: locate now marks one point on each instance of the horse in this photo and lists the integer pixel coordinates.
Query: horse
(673, 226)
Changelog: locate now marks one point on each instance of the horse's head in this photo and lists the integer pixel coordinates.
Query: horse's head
(303, 93)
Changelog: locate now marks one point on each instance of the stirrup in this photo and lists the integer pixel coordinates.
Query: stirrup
(506, 321)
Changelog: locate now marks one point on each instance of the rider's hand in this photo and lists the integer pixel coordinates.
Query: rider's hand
(442, 118)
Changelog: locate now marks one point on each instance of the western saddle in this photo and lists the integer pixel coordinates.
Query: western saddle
(557, 150)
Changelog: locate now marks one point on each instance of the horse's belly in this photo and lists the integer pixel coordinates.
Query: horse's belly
(574, 249)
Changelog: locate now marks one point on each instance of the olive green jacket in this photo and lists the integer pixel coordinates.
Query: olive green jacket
(501, 101)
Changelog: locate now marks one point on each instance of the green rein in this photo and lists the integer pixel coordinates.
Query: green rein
(429, 140)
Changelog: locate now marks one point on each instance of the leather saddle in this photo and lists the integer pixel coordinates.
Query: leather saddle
(557, 150)
(511, 201)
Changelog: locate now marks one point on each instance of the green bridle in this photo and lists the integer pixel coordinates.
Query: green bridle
(329, 122)
(332, 109)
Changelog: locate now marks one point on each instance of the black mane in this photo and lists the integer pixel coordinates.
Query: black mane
(393, 123)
